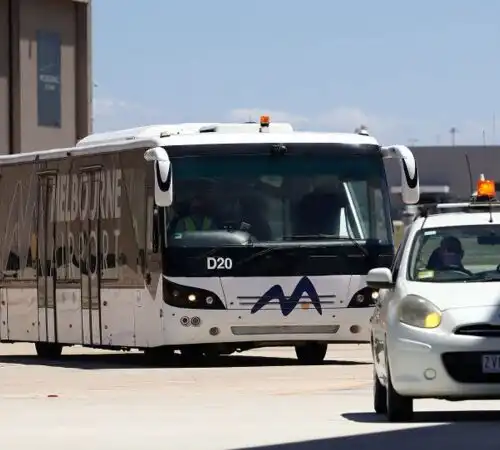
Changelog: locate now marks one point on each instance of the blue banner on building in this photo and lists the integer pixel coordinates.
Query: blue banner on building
(49, 78)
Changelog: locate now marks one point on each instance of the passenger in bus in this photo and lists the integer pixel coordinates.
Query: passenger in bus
(199, 217)
(318, 213)
(254, 212)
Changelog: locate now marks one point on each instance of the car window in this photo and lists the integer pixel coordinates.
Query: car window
(465, 253)
(399, 254)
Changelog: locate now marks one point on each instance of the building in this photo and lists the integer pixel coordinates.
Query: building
(45, 74)
(444, 171)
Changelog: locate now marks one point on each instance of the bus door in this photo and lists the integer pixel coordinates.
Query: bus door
(90, 256)
(47, 272)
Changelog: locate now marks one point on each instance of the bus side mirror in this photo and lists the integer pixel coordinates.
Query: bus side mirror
(410, 186)
(164, 193)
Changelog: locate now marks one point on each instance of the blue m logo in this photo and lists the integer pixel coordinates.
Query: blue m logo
(287, 305)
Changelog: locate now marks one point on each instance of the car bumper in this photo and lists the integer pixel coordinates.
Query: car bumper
(440, 364)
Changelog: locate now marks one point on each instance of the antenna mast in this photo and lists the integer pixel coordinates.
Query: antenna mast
(471, 182)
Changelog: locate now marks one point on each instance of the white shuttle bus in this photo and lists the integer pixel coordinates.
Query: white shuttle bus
(199, 238)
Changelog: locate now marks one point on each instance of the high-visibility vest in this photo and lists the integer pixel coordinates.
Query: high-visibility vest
(188, 224)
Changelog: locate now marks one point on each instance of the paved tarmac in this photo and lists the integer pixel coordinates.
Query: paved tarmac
(262, 400)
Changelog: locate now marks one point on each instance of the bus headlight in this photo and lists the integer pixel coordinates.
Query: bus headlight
(364, 298)
(190, 297)
(419, 312)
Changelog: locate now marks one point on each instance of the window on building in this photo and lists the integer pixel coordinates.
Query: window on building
(49, 78)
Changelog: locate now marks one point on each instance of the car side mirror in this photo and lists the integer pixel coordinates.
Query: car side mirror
(380, 278)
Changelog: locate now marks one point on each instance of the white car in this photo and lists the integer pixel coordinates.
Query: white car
(435, 331)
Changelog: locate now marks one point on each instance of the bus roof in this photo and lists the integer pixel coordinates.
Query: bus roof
(297, 137)
(162, 131)
(184, 134)
(147, 132)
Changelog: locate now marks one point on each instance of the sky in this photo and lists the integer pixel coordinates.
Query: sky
(408, 71)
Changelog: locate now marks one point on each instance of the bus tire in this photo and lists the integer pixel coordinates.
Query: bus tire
(48, 350)
(158, 355)
(311, 353)
(192, 355)
(212, 354)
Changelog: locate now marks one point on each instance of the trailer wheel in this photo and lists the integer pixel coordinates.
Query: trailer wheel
(48, 350)
(311, 353)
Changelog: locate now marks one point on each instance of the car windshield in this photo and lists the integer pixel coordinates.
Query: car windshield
(467, 253)
(281, 198)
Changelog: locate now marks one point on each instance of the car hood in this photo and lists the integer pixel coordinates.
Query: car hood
(458, 295)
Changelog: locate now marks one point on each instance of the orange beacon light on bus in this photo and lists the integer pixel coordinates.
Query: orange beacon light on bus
(264, 121)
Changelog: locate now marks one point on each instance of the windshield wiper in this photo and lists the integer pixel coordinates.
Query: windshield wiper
(317, 236)
(356, 243)
(335, 237)
(483, 280)
(313, 236)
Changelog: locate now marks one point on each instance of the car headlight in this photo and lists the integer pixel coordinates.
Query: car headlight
(418, 312)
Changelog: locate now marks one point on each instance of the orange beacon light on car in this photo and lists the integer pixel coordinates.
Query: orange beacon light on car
(485, 188)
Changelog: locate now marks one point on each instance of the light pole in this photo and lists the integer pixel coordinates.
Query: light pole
(453, 133)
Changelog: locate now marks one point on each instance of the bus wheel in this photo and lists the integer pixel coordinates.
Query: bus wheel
(212, 355)
(48, 350)
(311, 353)
(192, 355)
(158, 355)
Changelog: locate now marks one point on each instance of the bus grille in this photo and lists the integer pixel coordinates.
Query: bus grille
(284, 329)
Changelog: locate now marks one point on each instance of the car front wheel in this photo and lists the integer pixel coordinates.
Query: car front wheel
(379, 395)
(399, 408)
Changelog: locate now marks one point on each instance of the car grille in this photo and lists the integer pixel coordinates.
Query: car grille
(466, 367)
(479, 329)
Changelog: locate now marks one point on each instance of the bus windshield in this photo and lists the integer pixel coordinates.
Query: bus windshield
(292, 197)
